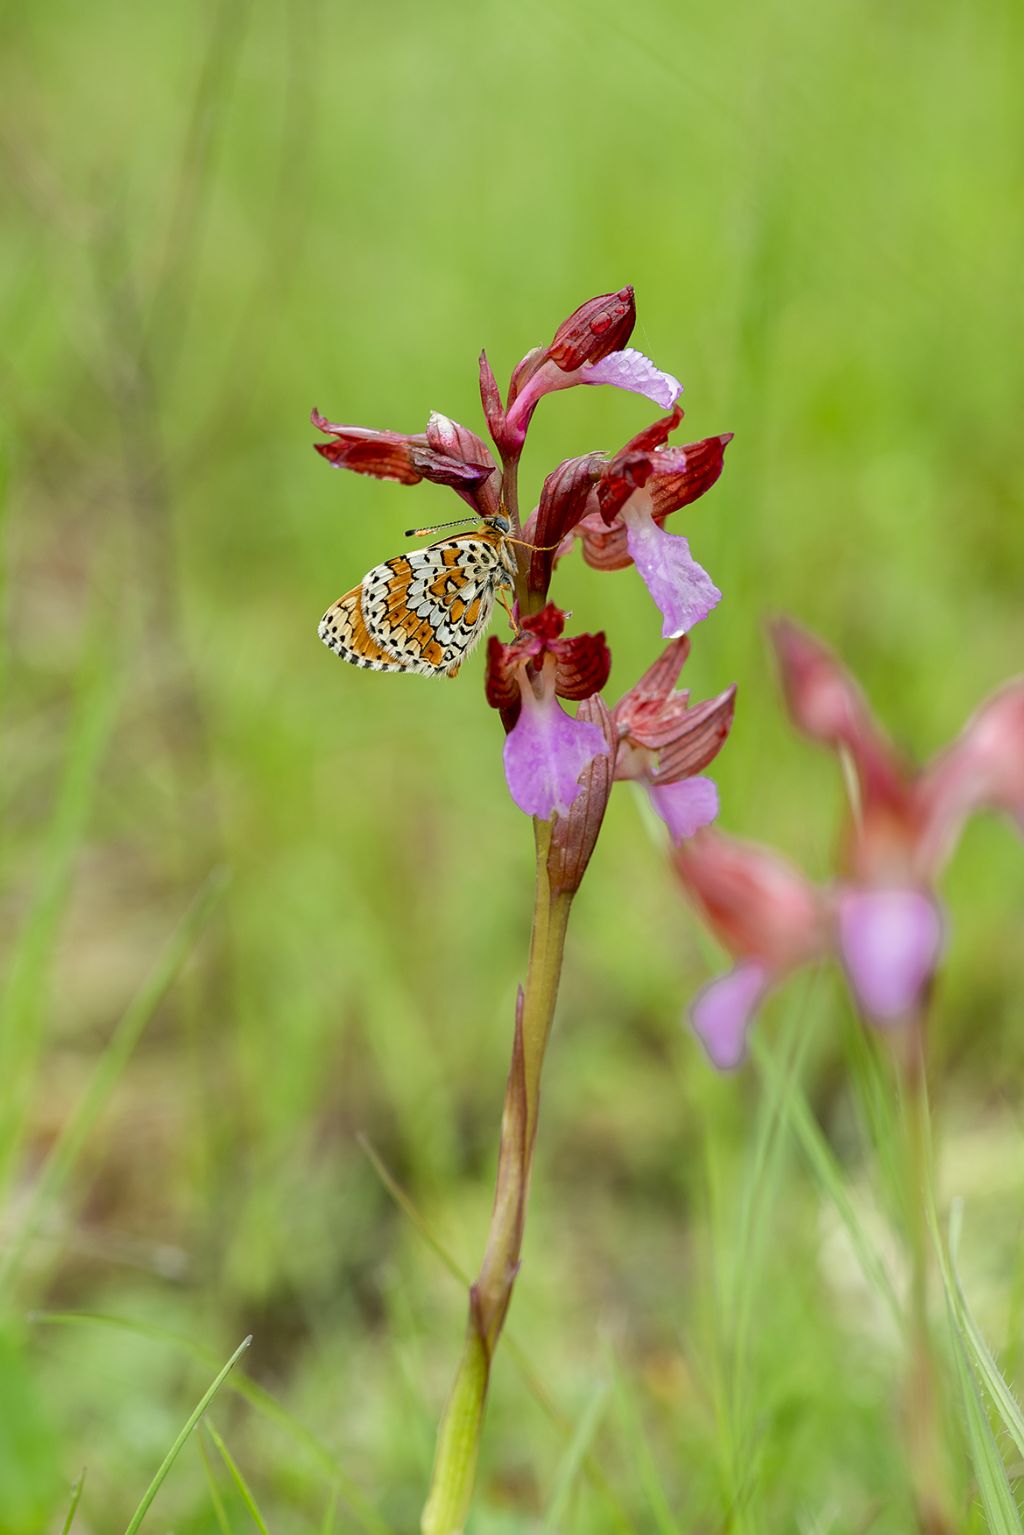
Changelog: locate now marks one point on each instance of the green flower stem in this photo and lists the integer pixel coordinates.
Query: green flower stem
(922, 1408)
(458, 1438)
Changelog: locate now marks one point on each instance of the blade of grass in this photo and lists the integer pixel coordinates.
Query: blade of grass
(238, 1479)
(75, 1131)
(982, 1358)
(257, 1397)
(5, 628)
(77, 1488)
(24, 998)
(572, 1460)
(1001, 1513)
(758, 1202)
(646, 1467)
(826, 1169)
(219, 1510)
(330, 1513)
(177, 1446)
(876, 1101)
(408, 1209)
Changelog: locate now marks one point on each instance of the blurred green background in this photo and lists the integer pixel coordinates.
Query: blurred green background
(219, 215)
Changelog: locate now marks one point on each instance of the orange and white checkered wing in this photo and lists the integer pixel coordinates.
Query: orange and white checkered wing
(423, 611)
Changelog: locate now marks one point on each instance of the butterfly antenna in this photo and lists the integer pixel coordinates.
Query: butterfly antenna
(538, 548)
(424, 532)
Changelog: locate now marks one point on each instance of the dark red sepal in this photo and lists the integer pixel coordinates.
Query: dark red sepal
(631, 468)
(582, 661)
(583, 664)
(703, 465)
(490, 399)
(405, 457)
(602, 325)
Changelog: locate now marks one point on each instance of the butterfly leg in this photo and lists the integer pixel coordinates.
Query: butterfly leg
(503, 599)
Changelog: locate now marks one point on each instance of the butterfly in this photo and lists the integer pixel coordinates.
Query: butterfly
(424, 611)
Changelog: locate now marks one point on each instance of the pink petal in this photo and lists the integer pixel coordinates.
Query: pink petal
(685, 806)
(722, 1013)
(982, 770)
(682, 589)
(826, 703)
(631, 370)
(545, 753)
(890, 941)
(757, 903)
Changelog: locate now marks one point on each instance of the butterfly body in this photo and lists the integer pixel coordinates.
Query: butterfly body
(424, 611)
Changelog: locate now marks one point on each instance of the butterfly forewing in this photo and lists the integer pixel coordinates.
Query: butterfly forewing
(422, 611)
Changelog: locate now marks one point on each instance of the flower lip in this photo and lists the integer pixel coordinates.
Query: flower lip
(686, 805)
(680, 587)
(547, 751)
(723, 1010)
(890, 942)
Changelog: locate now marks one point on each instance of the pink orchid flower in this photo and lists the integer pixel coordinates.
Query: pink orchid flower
(665, 742)
(625, 525)
(881, 917)
(546, 749)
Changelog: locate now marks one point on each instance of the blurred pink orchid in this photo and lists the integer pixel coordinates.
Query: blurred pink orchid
(881, 918)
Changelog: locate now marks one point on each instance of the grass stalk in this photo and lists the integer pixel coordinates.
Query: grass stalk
(182, 1439)
(922, 1406)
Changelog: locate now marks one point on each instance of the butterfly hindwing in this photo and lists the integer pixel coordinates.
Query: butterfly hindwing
(343, 629)
(422, 611)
